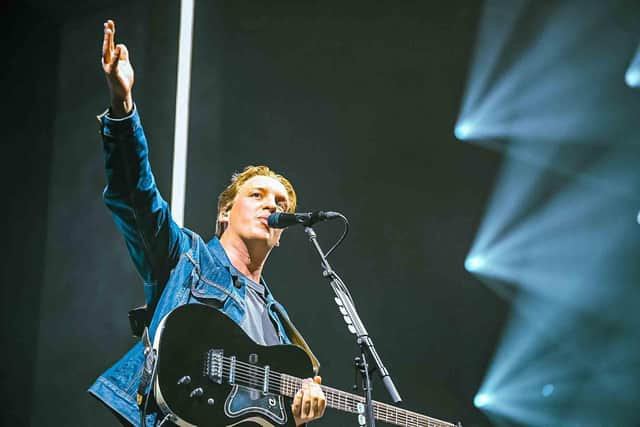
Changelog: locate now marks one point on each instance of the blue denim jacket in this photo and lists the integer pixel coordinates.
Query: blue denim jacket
(177, 266)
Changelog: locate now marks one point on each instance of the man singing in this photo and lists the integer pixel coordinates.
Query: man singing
(177, 266)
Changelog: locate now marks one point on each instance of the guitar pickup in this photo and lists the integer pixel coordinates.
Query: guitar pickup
(232, 370)
(213, 365)
(265, 380)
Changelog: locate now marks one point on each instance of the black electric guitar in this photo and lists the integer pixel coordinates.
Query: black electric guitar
(223, 378)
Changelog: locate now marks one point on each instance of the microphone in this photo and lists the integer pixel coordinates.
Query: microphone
(284, 220)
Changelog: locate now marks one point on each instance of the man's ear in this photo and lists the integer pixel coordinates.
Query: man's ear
(224, 216)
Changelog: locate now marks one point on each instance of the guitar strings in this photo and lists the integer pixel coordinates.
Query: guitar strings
(399, 416)
(405, 418)
(251, 374)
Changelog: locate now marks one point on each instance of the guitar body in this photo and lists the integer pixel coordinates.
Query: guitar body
(210, 373)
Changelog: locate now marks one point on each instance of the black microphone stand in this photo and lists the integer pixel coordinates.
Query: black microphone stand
(369, 355)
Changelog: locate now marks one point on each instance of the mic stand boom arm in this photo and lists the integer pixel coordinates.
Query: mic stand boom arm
(356, 327)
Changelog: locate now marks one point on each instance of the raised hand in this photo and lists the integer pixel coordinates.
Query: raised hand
(118, 71)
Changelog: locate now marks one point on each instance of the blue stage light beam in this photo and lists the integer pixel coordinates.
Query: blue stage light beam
(632, 75)
(464, 130)
(559, 227)
(538, 82)
(535, 248)
(569, 257)
(481, 400)
(474, 263)
(485, 60)
(586, 372)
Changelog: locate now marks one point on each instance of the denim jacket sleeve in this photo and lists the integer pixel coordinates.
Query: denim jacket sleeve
(153, 239)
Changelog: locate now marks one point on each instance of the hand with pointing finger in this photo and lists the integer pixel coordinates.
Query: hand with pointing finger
(118, 71)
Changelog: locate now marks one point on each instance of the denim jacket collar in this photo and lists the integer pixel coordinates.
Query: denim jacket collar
(215, 247)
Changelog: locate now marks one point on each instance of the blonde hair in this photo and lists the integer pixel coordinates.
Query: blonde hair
(228, 196)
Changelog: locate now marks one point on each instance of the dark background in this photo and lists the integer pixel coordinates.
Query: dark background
(355, 102)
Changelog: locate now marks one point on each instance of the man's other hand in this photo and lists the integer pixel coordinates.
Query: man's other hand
(309, 402)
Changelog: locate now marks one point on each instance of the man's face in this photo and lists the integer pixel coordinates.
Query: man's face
(257, 198)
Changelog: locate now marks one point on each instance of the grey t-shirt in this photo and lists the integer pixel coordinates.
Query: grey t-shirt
(256, 322)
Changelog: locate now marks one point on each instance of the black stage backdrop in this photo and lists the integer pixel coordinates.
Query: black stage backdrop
(354, 101)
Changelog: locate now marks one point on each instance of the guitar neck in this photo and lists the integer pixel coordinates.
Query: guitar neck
(348, 402)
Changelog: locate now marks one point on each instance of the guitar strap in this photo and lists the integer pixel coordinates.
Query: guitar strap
(296, 338)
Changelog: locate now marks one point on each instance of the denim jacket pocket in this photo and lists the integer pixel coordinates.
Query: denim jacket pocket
(216, 295)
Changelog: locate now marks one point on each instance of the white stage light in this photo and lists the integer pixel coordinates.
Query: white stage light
(464, 130)
(474, 263)
(481, 400)
(632, 77)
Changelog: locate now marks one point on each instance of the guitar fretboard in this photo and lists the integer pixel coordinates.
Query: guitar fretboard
(349, 402)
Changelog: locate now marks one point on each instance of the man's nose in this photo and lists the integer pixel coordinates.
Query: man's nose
(270, 203)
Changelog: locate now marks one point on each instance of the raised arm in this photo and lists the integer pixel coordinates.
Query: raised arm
(154, 240)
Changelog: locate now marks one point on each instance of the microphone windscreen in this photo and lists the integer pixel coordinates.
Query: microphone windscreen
(274, 220)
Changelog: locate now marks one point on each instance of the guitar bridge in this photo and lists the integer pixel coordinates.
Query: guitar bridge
(213, 365)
